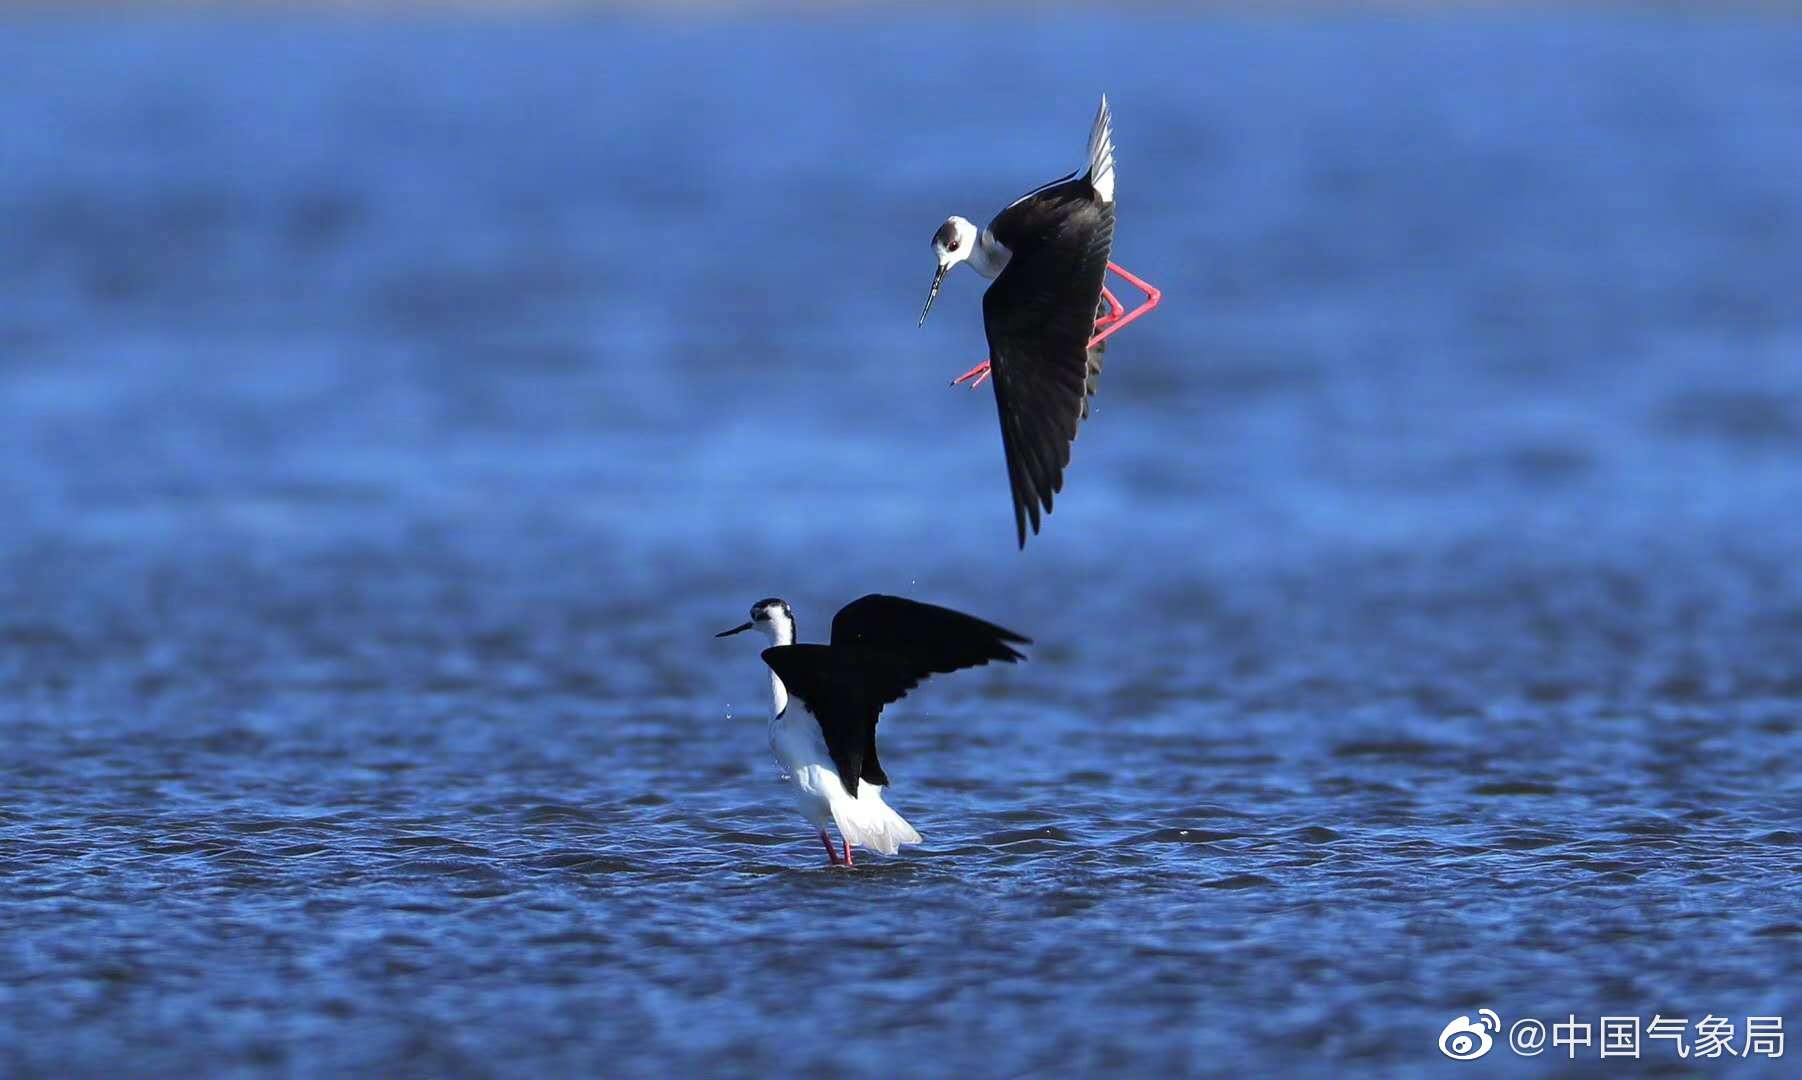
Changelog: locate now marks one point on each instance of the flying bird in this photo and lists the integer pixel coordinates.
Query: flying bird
(882, 647)
(1046, 315)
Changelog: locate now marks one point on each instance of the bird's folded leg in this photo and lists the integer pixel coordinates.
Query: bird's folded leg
(847, 853)
(1105, 325)
(831, 852)
(979, 373)
(1114, 309)
(1114, 320)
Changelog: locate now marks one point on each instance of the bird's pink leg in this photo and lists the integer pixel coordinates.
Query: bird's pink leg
(831, 852)
(847, 853)
(1115, 310)
(1105, 327)
(979, 373)
(1114, 320)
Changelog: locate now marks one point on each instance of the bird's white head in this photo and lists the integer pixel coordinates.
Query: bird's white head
(773, 617)
(955, 242)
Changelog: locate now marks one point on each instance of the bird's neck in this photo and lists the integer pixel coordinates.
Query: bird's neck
(990, 256)
(782, 632)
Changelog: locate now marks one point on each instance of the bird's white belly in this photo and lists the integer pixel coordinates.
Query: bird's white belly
(800, 749)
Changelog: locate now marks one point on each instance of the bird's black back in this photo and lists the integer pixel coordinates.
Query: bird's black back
(1039, 315)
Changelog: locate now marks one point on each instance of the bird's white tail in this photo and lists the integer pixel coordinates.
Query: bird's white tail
(867, 821)
(1101, 153)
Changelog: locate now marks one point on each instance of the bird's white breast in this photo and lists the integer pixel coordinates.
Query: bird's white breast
(990, 256)
(800, 750)
(796, 741)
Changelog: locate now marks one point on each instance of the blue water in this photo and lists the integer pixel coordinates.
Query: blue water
(392, 408)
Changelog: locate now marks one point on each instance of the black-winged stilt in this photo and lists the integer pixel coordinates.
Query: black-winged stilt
(1046, 315)
(882, 647)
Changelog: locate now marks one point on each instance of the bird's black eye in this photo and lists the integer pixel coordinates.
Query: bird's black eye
(955, 243)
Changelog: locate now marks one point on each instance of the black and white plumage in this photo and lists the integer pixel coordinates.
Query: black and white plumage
(1048, 256)
(882, 647)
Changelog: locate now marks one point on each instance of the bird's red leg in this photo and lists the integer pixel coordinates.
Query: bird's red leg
(847, 853)
(1114, 320)
(831, 852)
(1115, 310)
(979, 373)
(1105, 327)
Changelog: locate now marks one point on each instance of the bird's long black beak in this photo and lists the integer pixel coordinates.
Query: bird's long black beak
(735, 630)
(937, 280)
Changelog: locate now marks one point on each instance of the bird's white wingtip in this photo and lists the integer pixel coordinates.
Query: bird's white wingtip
(1101, 153)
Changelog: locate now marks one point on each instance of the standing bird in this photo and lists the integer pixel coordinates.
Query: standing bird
(882, 646)
(1046, 315)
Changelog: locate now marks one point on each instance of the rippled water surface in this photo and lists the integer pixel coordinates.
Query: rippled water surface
(393, 409)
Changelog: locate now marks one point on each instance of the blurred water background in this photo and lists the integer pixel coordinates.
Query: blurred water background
(392, 407)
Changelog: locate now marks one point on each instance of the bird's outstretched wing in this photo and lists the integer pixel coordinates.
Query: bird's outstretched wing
(900, 642)
(882, 647)
(1039, 315)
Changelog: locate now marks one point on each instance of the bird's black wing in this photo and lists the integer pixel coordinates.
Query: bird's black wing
(1039, 315)
(900, 642)
(830, 683)
(882, 647)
